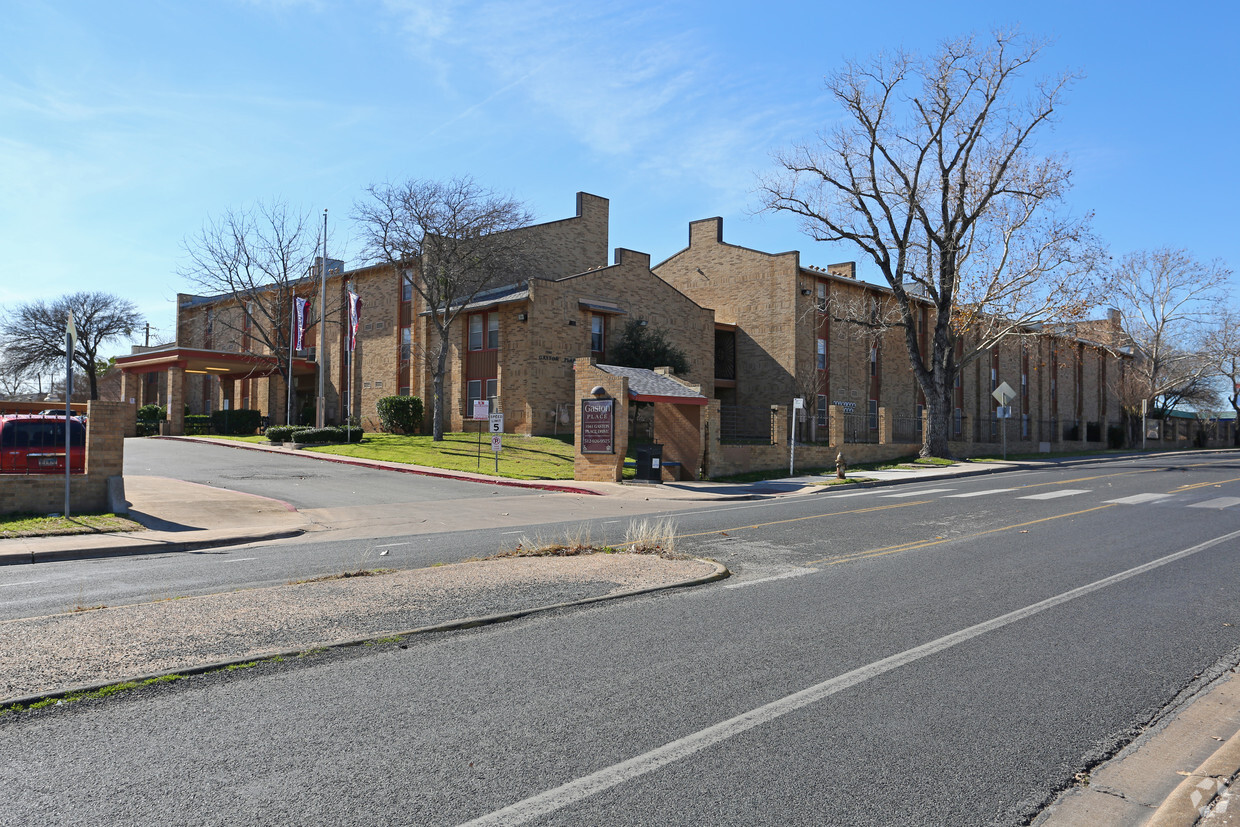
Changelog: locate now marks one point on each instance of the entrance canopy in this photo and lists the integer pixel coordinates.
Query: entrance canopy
(221, 363)
(649, 386)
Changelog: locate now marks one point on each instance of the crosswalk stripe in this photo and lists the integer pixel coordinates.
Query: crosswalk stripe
(1051, 495)
(1217, 502)
(1137, 499)
(980, 493)
(918, 493)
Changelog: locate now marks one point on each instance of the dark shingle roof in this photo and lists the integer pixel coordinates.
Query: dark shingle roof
(644, 382)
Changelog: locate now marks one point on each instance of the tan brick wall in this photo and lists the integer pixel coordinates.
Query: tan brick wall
(600, 467)
(88, 492)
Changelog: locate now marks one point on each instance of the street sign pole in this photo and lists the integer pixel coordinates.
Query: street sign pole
(1003, 394)
(798, 403)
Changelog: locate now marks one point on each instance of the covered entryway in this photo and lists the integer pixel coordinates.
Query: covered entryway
(228, 367)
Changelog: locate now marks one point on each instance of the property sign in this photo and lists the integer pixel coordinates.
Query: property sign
(482, 409)
(598, 426)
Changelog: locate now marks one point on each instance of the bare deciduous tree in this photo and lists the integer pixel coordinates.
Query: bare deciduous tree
(453, 239)
(1168, 298)
(34, 333)
(932, 173)
(1223, 347)
(255, 256)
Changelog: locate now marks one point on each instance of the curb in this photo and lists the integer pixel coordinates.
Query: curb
(361, 463)
(31, 557)
(1189, 801)
(721, 573)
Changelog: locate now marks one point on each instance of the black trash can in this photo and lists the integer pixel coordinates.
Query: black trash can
(649, 464)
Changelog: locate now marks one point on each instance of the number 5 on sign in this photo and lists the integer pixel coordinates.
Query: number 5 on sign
(497, 423)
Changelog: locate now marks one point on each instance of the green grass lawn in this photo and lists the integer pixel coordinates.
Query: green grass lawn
(37, 525)
(522, 457)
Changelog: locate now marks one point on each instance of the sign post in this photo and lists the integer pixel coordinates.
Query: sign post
(70, 343)
(798, 404)
(1003, 394)
(482, 409)
(496, 427)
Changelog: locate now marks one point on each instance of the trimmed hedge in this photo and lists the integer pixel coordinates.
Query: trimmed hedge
(197, 424)
(241, 422)
(151, 413)
(400, 414)
(283, 433)
(318, 435)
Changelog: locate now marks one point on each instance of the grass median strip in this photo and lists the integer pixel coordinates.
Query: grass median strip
(51, 525)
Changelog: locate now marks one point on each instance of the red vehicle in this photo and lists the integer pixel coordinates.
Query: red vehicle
(36, 445)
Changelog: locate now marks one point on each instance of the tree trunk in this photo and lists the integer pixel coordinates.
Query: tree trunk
(441, 367)
(938, 422)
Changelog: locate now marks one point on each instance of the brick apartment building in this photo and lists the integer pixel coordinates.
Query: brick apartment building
(758, 329)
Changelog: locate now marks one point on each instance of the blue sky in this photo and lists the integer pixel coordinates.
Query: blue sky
(124, 125)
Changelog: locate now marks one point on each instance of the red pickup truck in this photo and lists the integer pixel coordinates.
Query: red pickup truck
(36, 445)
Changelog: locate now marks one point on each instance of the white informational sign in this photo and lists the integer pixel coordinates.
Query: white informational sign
(1003, 412)
(496, 421)
(798, 403)
(482, 408)
(1004, 393)
(496, 442)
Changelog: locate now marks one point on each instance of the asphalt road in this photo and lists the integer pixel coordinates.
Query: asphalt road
(945, 653)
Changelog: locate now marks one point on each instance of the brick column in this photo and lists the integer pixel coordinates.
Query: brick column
(105, 437)
(884, 427)
(835, 424)
(779, 425)
(175, 423)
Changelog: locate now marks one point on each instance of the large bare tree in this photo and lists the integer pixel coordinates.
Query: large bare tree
(1169, 301)
(1223, 346)
(932, 172)
(453, 239)
(255, 256)
(34, 333)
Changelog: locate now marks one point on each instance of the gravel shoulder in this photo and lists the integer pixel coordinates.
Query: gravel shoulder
(47, 655)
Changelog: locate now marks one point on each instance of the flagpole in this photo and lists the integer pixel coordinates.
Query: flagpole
(292, 334)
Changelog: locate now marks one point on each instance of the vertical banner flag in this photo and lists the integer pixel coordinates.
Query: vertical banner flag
(355, 318)
(302, 322)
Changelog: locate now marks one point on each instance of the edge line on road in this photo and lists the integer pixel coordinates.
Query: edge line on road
(799, 519)
(582, 788)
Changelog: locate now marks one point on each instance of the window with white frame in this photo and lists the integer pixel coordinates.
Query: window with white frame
(598, 334)
(822, 354)
(484, 331)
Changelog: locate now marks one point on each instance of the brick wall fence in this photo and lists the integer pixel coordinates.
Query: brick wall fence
(88, 493)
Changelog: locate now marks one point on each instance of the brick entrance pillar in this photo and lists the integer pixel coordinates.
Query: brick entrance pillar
(176, 401)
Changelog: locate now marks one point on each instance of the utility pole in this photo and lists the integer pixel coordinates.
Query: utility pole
(320, 415)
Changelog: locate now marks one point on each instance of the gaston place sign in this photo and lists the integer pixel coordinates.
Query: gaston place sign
(598, 426)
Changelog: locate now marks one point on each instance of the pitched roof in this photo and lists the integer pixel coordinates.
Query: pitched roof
(647, 386)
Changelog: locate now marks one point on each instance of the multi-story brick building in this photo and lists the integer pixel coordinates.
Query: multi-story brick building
(758, 329)
(785, 330)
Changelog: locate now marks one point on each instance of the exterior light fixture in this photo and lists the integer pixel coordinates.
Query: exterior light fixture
(521, 317)
(642, 322)
(599, 392)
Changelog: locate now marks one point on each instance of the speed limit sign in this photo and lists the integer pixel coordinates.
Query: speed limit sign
(497, 423)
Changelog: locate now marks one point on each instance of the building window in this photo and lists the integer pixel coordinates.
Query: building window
(957, 421)
(822, 297)
(822, 410)
(404, 390)
(822, 354)
(874, 360)
(484, 331)
(873, 414)
(598, 334)
(473, 390)
(406, 290)
(405, 344)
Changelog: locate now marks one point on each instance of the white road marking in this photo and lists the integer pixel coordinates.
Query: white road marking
(921, 493)
(1218, 502)
(980, 493)
(506, 533)
(22, 583)
(1053, 495)
(797, 572)
(582, 788)
(392, 545)
(841, 496)
(1137, 499)
(239, 559)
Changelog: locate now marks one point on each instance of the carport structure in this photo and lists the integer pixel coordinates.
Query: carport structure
(176, 362)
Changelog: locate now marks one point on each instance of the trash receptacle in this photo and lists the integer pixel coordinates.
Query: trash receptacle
(649, 463)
